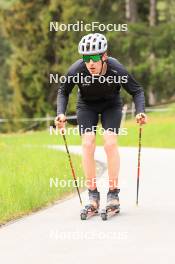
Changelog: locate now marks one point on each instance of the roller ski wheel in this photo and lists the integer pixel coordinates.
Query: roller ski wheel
(104, 215)
(88, 211)
(83, 214)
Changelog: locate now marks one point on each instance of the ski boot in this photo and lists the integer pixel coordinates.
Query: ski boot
(113, 204)
(93, 207)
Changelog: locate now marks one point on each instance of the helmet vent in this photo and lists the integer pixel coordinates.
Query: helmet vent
(88, 46)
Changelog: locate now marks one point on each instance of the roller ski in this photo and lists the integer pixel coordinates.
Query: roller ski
(113, 205)
(93, 207)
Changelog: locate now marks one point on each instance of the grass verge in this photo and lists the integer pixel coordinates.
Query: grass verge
(25, 178)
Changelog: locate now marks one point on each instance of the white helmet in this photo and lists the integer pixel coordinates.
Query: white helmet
(92, 44)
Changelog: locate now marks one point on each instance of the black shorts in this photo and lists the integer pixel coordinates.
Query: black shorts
(109, 111)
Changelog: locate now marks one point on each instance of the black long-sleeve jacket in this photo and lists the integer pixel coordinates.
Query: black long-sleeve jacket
(98, 90)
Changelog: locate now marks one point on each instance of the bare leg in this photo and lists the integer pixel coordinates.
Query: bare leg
(89, 165)
(113, 158)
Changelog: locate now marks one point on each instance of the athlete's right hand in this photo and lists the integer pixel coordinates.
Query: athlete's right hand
(60, 121)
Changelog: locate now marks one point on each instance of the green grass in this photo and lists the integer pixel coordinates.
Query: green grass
(158, 132)
(25, 178)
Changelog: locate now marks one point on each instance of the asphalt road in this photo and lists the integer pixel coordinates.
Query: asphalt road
(144, 234)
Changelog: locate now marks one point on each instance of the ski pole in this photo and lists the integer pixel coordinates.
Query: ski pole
(72, 168)
(138, 168)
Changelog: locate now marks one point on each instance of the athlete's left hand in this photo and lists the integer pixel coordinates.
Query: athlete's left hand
(141, 118)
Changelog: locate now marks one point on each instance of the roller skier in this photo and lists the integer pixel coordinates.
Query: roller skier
(99, 98)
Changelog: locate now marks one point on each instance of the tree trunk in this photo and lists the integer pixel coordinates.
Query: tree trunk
(152, 23)
(131, 10)
(152, 13)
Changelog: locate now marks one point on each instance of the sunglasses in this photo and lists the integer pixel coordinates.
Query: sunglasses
(95, 58)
